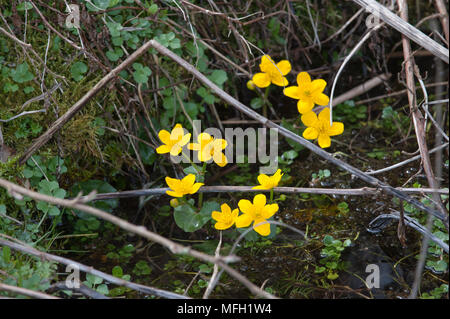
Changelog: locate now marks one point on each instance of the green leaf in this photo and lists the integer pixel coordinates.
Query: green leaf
(78, 70)
(114, 55)
(189, 220)
(117, 272)
(219, 77)
(256, 103)
(21, 74)
(141, 73)
(328, 240)
(153, 9)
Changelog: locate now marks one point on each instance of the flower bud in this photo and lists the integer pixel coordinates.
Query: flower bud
(174, 202)
(250, 85)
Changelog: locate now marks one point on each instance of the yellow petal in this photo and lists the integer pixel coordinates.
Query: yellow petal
(219, 158)
(185, 139)
(175, 150)
(261, 80)
(263, 229)
(174, 194)
(317, 86)
(321, 99)
(336, 129)
(163, 149)
(217, 216)
(243, 221)
(173, 183)
(303, 78)
(267, 64)
(222, 225)
(279, 80)
(164, 136)
(263, 179)
(245, 206)
(235, 213)
(204, 138)
(220, 144)
(324, 116)
(259, 200)
(292, 92)
(196, 187)
(304, 106)
(310, 119)
(194, 146)
(310, 133)
(262, 187)
(225, 209)
(284, 66)
(270, 210)
(177, 133)
(277, 176)
(188, 180)
(324, 141)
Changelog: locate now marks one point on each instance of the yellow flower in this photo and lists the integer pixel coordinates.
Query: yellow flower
(225, 218)
(269, 182)
(209, 147)
(272, 73)
(319, 127)
(173, 141)
(181, 187)
(308, 93)
(256, 212)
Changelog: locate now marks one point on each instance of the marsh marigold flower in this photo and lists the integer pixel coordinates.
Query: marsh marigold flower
(173, 141)
(319, 127)
(256, 212)
(269, 182)
(225, 218)
(181, 187)
(272, 73)
(209, 147)
(307, 92)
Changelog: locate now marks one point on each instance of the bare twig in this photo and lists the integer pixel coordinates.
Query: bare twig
(175, 248)
(249, 189)
(26, 292)
(404, 28)
(319, 151)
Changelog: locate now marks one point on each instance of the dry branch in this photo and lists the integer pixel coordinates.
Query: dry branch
(175, 248)
(88, 269)
(285, 132)
(404, 28)
(249, 189)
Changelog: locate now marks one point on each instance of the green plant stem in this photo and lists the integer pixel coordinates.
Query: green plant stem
(190, 161)
(266, 101)
(200, 195)
(271, 195)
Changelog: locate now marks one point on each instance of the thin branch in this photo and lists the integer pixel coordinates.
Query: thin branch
(16, 190)
(26, 292)
(249, 189)
(404, 28)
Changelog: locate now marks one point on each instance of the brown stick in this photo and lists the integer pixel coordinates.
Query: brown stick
(288, 134)
(404, 28)
(60, 122)
(440, 5)
(88, 269)
(26, 292)
(249, 189)
(418, 118)
(175, 248)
